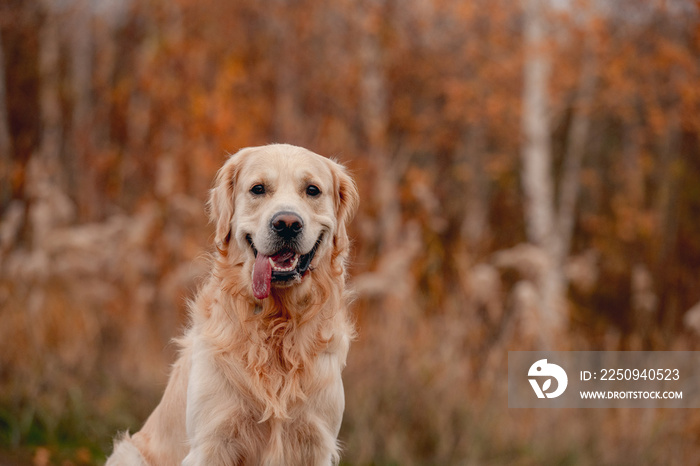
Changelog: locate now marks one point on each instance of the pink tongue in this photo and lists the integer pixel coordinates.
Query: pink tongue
(262, 274)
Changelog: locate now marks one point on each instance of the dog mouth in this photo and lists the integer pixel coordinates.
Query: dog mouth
(283, 268)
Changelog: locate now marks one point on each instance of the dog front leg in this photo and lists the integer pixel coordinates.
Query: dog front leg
(220, 429)
(205, 419)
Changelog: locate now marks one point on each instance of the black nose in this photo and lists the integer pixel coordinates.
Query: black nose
(287, 224)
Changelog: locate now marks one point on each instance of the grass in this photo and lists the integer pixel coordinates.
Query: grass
(79, 433)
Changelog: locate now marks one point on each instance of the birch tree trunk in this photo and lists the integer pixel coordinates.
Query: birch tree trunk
(537, 152)
(537, 178)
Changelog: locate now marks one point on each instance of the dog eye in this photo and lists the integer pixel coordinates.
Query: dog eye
(312, 190)
(258, 189)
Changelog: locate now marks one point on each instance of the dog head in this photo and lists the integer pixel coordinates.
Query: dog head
(283, 209)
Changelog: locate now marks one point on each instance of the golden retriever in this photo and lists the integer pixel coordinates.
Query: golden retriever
(258, 380)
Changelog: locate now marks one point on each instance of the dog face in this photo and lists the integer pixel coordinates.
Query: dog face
(283, 209)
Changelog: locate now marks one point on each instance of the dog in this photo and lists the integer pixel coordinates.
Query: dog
(258, 378)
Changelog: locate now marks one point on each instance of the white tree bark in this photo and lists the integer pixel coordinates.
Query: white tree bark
(537, 152)
(537, 177)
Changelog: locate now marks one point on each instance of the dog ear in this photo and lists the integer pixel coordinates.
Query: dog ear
(220, 204)
(348, 197)
(346, 202)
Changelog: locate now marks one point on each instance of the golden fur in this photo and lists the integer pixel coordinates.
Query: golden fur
(258, 381)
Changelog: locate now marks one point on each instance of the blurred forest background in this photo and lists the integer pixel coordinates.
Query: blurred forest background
(530, 179)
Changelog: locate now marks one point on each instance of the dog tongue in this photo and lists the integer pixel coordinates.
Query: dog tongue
(262, 275)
